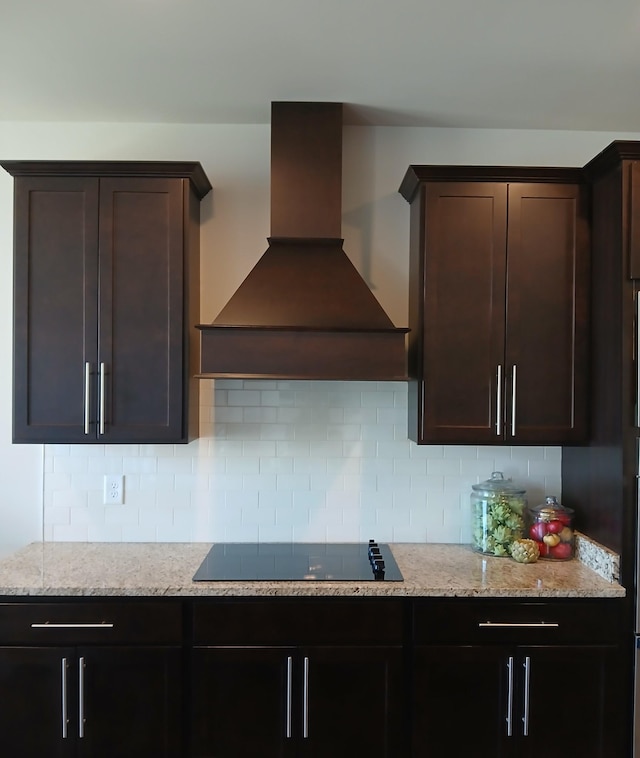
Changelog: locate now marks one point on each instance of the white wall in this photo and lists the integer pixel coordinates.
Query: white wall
(277, 460)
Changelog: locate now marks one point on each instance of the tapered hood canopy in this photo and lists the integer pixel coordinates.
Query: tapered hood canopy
(304, 311)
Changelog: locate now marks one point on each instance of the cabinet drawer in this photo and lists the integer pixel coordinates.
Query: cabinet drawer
(481, 621)
(90, 623)
(296, 622)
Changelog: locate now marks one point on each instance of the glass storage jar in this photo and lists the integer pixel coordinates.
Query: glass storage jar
(551, 526)
(497, 515)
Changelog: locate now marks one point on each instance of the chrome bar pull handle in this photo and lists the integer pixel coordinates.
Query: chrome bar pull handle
(289, 690)
(81, 666)
(499, 401)
(87, 397)
(509, 718)
(102, 396)
(305, 700)
(65, 703)
(513, 400)
(527, 682)
(73, 625)
(515, 625)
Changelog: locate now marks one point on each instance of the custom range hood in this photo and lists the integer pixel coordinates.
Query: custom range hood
(304, 312)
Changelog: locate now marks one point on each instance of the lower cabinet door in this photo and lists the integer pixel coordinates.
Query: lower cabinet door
(35, 704)
(242, 702)
(460, 699)
(129, 702)
(352, 702)
(573, 702)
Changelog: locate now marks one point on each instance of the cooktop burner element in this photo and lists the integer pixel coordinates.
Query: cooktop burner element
(299, 561)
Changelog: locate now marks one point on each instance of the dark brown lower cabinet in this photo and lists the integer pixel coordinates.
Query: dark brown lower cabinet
(297, 678)
(312, 678)
(491, 702)
(91, 679)
(499, 697)
(277, 702)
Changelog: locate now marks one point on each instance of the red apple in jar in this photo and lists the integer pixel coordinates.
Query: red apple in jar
(561, 551)
(537, 531)
(555, 526)
(543, 548)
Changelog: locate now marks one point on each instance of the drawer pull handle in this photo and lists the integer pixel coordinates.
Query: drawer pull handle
(73, 625)
(517, 625)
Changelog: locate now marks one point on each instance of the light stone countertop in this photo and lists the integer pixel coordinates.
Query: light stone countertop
(99, 569)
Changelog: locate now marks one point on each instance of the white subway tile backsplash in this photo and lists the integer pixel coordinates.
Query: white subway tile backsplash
(282, 461)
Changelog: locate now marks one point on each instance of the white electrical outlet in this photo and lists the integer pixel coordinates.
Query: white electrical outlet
(113, 489)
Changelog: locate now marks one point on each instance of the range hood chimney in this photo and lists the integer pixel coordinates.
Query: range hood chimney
(304, 312)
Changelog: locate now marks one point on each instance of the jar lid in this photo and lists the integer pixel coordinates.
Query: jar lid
(497, 483)
(550, 508)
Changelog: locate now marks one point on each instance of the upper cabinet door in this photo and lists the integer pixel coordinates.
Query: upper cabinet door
(547, 313)
(141, 310)
(55, 323)
(464, 311)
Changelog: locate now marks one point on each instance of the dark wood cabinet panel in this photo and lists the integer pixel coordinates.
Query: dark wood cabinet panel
(356, 702)
(239, 702)
(55, 304)
(491, 700)
(547, 311)
(464, 310)
(32, 717)
(459, 702)
(132, 700)
(93, 702)
(499, 283)
(106, 302)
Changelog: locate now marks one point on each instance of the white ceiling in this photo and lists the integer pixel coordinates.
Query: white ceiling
(554, 64)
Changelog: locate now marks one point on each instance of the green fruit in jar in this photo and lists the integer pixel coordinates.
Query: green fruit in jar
(551, 539)
(525, 551)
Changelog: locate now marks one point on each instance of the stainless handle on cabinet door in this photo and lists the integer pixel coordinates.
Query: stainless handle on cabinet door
(289, 687)
(499, 401)
(87, 397)
(63, 679)
(527, 680)
(81, 665)
(102, 400)
(509, 718)
(305, 700)
(513, 400)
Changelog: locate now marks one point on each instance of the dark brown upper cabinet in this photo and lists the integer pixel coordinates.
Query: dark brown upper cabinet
(106, 288)
(498, 305)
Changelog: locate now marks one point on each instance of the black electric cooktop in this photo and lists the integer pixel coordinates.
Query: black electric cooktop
(299, 561)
